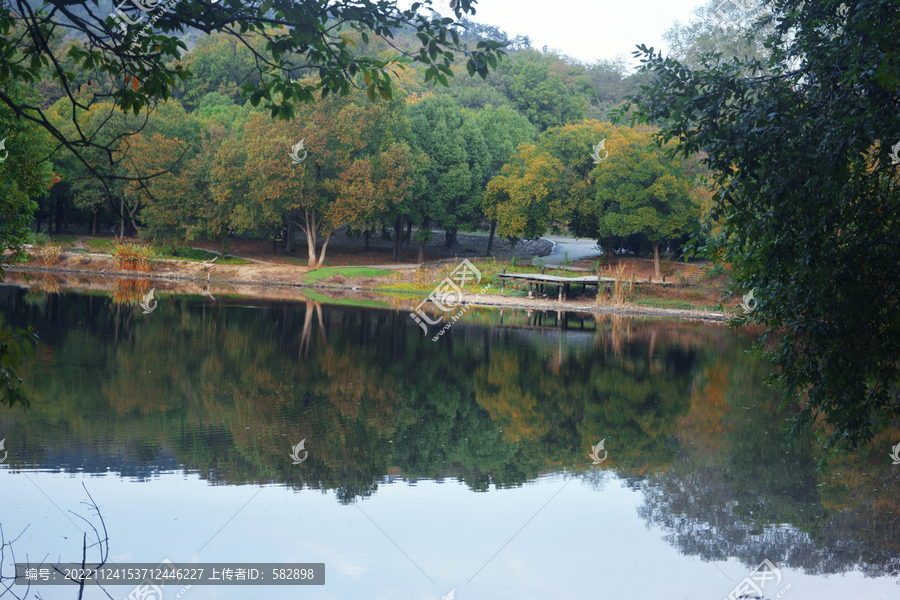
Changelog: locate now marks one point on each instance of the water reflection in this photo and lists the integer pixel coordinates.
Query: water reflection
(208, 387)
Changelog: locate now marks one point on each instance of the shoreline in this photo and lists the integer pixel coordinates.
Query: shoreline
(272, 282)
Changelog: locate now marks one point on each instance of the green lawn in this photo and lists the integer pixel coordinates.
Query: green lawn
(407, 288)
(62, 240)
(424, 289)
(348, 272)
(101, 244)
(184, 253)
(670, 303)
(231, 260)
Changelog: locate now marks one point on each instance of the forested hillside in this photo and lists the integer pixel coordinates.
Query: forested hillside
(208, 164)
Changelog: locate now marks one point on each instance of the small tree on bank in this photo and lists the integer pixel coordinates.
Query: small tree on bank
(641, 190)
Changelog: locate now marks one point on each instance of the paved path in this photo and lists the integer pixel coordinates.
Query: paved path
(577, 250)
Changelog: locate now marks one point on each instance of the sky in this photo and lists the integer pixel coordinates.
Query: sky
(587, 30)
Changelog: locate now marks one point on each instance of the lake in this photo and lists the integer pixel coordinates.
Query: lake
(468, 468)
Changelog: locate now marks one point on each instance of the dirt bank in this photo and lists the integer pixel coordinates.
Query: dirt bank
(96, 272)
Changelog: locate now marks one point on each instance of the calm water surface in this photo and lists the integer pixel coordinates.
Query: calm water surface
(460, 464)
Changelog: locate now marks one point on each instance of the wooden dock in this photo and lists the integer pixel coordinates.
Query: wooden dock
(562, 283)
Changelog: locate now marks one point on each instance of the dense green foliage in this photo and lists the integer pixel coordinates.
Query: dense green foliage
(150, 173)
(807, 213)
(25, 172)
(283, 41)
(626, 188)
(459, 161)
(641, 190)
(210, 163)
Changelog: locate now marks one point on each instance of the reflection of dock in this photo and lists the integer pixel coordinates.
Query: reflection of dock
(562, 283)
(547, 319)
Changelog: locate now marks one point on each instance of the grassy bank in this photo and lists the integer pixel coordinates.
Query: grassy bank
(703, 293)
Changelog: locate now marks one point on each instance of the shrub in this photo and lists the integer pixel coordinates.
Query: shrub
(49, 254)
(44, 249)
(715, 271)
(134, 258)
(618, 290)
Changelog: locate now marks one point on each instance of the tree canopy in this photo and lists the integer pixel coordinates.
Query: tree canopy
(629, 188)
(641, 190)
(807, 213)
(24, 171)
(284, 42)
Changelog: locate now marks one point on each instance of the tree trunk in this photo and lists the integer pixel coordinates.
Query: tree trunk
(311, 248)
(398, 228)
(448, 237)
(322, 253)
(656, 258)
(94, 222)
(366, 234)
(491, 237)
(122, 211)
(409, 225)
(385, 234)
(131, 215)
(424, 231)
(309, 228)
(38, 229)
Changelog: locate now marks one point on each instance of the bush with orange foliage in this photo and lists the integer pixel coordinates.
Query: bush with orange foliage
(134, 258)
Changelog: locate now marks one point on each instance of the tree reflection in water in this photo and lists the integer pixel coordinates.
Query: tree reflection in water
(499, 401)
